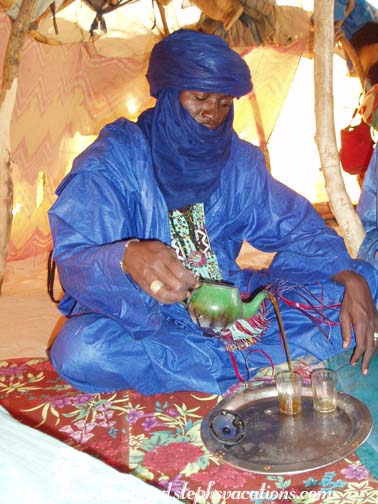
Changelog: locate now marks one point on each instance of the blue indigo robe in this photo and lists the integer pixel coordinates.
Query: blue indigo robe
(117, 336)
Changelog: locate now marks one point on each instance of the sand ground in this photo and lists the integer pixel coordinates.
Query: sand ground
(28, 316)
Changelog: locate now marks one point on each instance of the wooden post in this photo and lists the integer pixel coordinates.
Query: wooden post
(341, 205)
(8, 93)
(263, 144)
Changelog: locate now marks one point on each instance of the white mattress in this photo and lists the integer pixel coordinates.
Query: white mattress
(36, 468)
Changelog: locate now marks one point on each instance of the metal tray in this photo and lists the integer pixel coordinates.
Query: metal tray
(275, 443)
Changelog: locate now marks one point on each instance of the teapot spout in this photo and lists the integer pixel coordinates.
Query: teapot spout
(250, 308)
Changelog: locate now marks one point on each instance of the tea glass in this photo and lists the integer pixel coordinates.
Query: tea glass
(324, 390)
(289, 391)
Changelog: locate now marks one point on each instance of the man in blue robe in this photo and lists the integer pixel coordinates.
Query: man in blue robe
(151, 207)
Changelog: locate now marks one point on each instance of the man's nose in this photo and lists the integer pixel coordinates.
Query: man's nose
(212, 111)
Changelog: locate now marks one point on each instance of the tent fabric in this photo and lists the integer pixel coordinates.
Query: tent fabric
(226, 11)
(67, 93)
(282, 25)
(131, 30)
(13, 7)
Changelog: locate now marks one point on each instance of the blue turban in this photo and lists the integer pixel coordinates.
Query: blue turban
(195, 61)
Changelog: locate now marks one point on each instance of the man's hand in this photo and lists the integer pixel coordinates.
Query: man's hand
(358, 311)
(157, 270)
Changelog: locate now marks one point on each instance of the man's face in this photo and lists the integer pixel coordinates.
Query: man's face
(208, 109)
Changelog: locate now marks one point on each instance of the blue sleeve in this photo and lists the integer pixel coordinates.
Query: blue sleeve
(368, 212)
(94, 214)
(284, 222)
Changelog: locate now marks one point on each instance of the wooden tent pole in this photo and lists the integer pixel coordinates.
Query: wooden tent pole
(8, 92)
(341, 205)
(259, 127)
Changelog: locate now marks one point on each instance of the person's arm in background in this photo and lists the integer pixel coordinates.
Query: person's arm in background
(367, 210)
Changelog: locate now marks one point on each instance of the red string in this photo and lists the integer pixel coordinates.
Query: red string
(302, 307)
(295, 304)
(236, 368)
(265, 355)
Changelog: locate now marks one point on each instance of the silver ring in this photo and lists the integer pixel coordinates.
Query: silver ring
(156, 285)
(375, 337)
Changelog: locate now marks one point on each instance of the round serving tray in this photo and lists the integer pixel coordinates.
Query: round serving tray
(275, 443)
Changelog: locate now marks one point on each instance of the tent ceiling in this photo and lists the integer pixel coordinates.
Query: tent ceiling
(129, 28)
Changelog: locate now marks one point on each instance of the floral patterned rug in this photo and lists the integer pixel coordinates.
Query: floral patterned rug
(157, 438)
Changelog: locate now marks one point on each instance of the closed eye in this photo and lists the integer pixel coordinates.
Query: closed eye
(201, 97)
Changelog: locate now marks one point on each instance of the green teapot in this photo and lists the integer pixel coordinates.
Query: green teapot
(216, 305)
